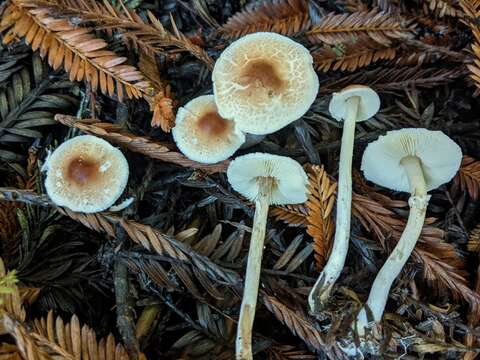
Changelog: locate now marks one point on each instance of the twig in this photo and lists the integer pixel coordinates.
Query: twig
(457, 214)
(436, 49)
(125, 321)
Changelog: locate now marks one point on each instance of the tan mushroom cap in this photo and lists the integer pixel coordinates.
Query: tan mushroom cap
(86, 174)
(264, 81)
(287, 176)
(368, 106)
(202, 134)
(440, 158)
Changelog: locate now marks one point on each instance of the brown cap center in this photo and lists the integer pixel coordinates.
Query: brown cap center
(261, 73)
(81, 171)
(213, 124)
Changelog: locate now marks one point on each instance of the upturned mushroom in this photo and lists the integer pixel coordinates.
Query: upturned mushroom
(264, 81)
(86, 174)
(414, 161)
(203, 135)
(264, 179)
(353, 104)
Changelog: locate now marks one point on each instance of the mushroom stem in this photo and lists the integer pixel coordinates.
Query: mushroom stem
(418, 202)
(322, 288)
(252, 277)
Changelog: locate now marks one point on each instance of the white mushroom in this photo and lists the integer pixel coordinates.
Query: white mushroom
(264, 81)
(354, 103)
(86, 174)
(264, 179)
(203, 135)
(415, 161)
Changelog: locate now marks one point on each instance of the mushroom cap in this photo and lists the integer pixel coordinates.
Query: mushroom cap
(86, 174)
(440, 158)
(202, 134)
(289, 178)
(264, 81)
(368, 106)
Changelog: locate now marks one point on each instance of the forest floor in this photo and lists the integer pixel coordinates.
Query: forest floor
(163, 278)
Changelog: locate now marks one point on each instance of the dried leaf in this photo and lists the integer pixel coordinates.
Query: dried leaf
(287, 17)
(82, 54)
(380, 27)
(320, 223)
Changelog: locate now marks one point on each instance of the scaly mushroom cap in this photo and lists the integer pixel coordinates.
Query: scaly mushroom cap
(440, 158)
(202, 134)
(86, 174)
(263, 82)
(287, 178)
(368, 106)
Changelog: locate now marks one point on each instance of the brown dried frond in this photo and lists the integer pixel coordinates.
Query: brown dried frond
(288, 352)
(147, 35)
(72, 341)
(445, 269)
(287, 17)
(396, 78)
(26, 343)
(9, 352)
(468, 177)
(77, 49)
(291, 214)
(206, 246)
(321, 225)
(296, 322)
(301, 326)
(471, 8)
(473, 244)
(139, 144)
(416, 57)
(442, 8)
(351, 56)
(475, 67)
(377, 26)
(29, 294)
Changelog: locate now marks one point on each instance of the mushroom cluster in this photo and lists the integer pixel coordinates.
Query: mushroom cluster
(265, 81)
(261, 83)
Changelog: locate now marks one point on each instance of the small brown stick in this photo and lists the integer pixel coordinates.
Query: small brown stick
(125, 321)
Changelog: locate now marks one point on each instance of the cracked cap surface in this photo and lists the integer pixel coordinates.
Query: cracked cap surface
(264, 81)
(86, 174)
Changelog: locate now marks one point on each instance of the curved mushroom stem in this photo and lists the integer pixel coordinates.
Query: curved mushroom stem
(418, 202)
(320, 292)
(243, 343)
